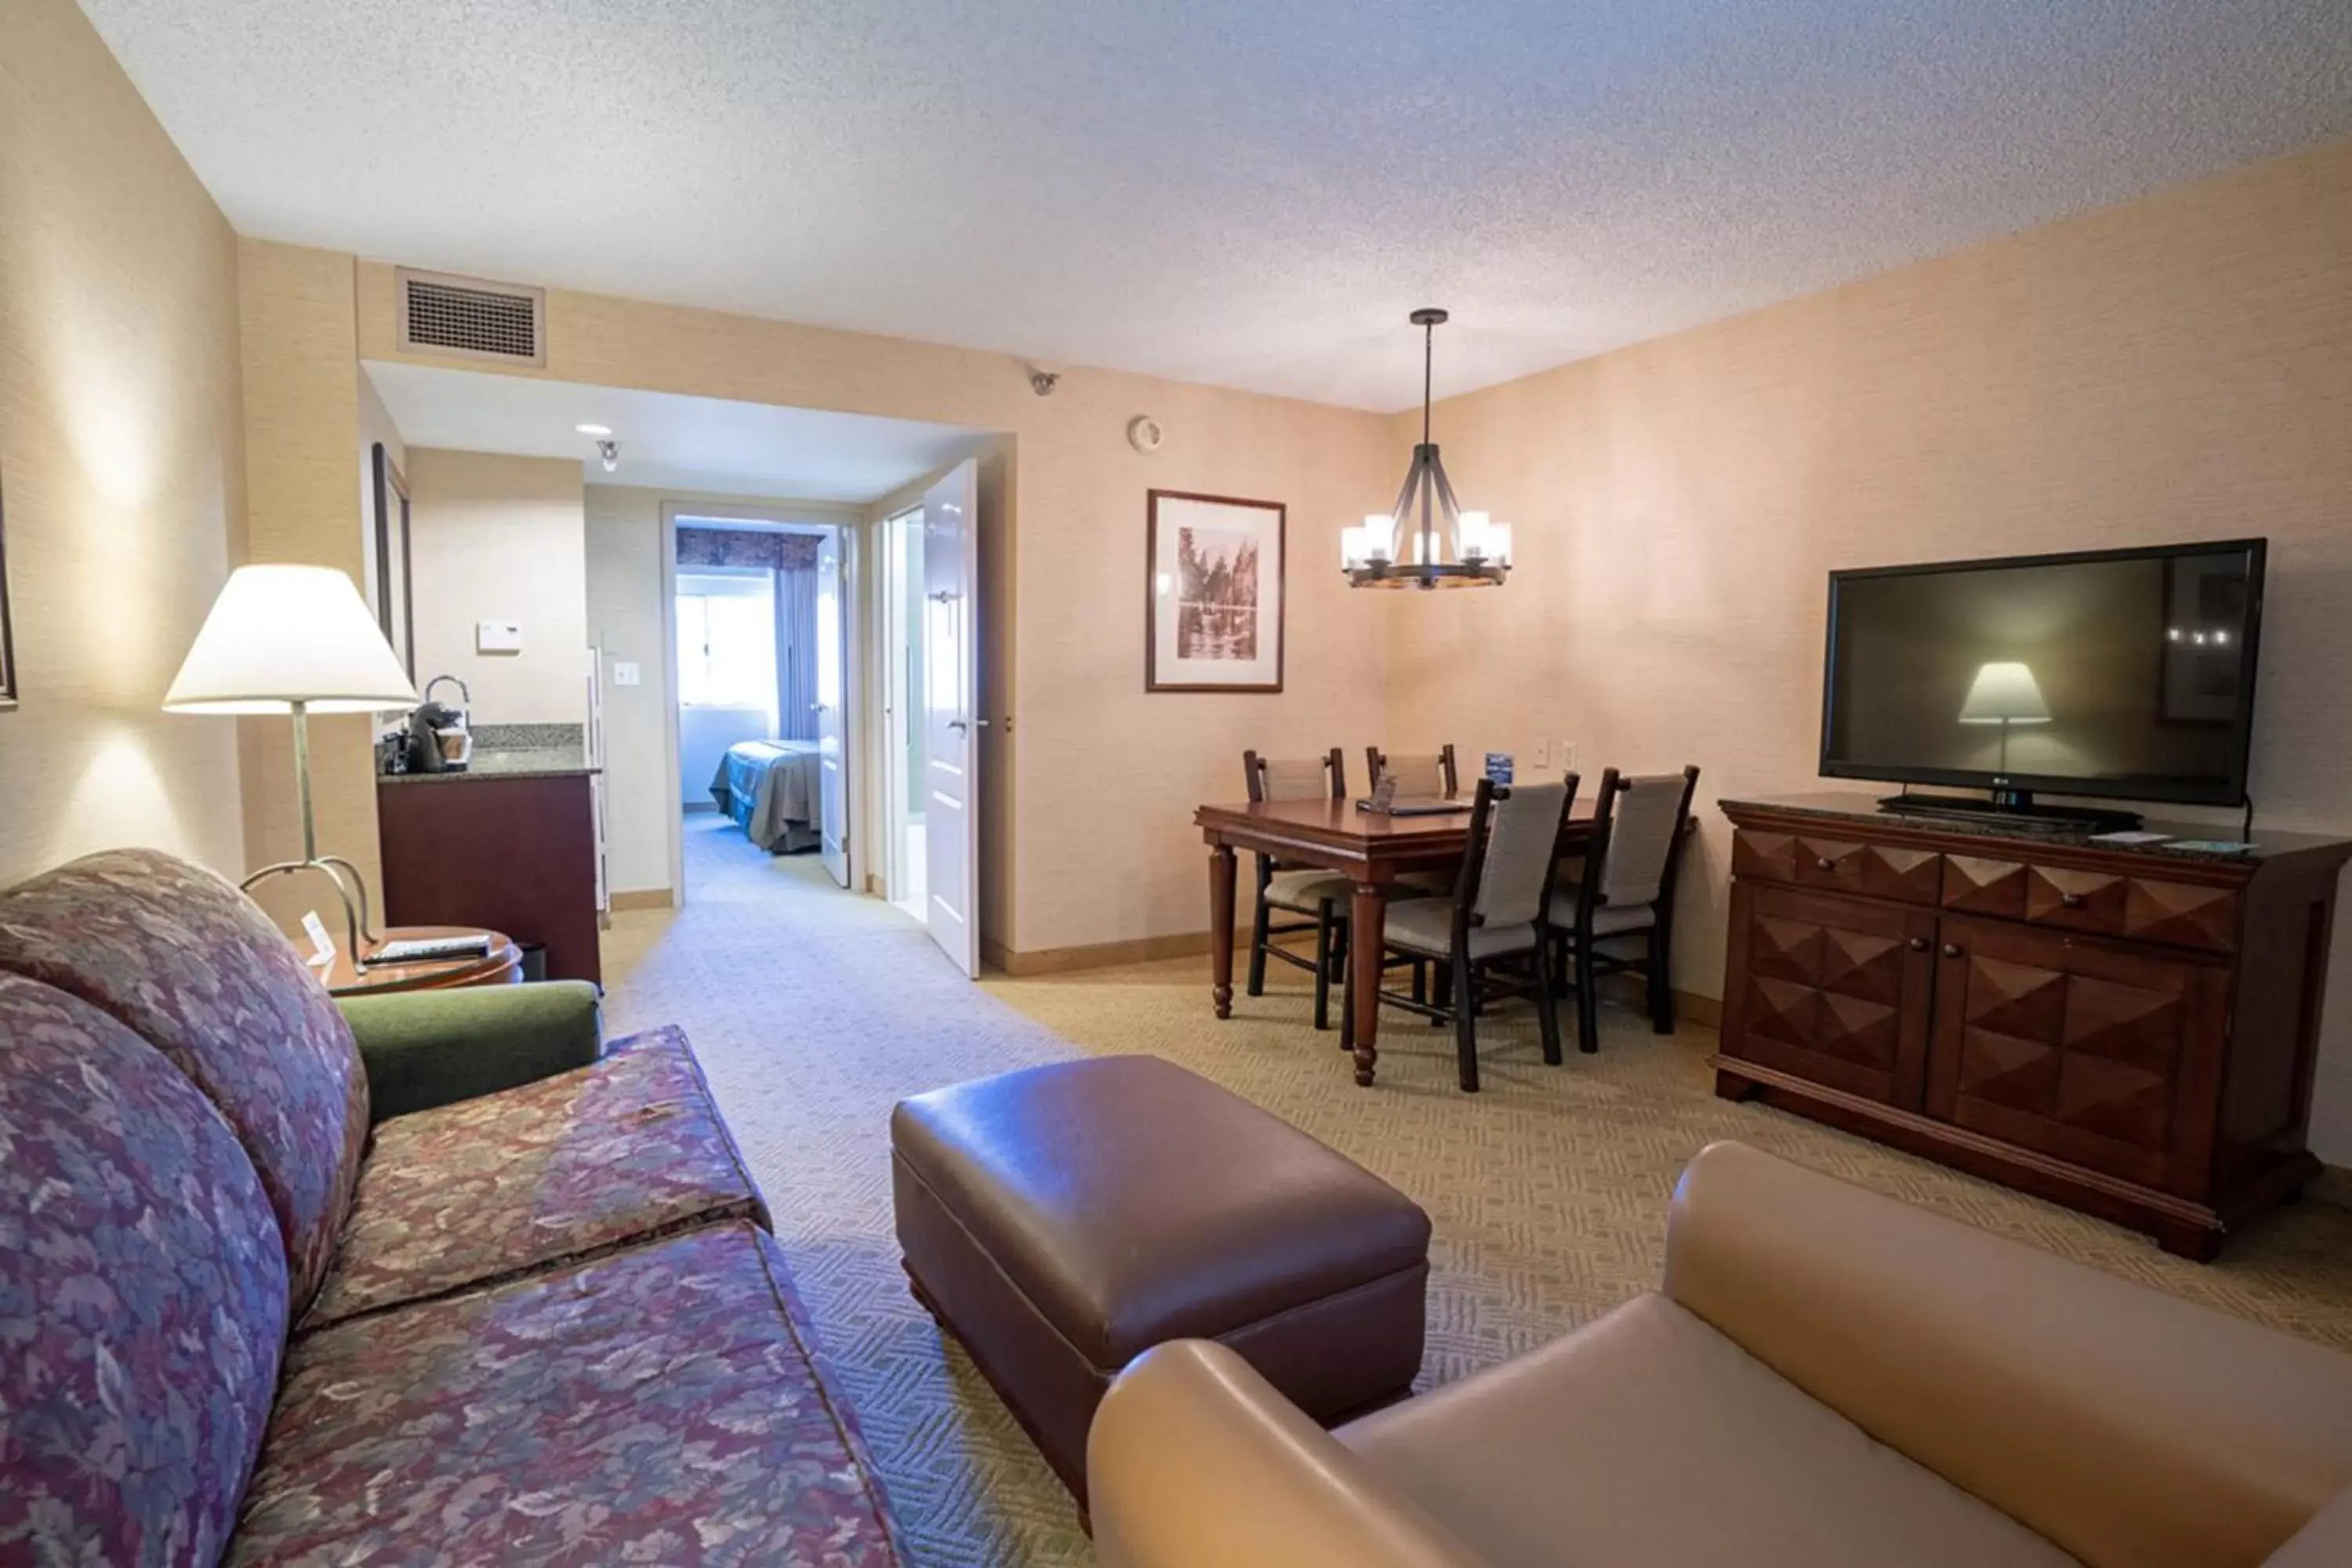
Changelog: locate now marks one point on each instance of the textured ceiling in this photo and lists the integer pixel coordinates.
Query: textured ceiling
(668, 441)
(1244, 192)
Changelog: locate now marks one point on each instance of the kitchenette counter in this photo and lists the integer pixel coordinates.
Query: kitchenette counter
(516, 751)
(520, 854)
(546, 763)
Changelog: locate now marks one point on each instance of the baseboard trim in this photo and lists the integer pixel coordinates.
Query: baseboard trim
(624, 901)
(1704, 1011)
(1094, 955)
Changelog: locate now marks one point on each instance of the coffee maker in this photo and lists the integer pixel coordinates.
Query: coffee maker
(440, 738)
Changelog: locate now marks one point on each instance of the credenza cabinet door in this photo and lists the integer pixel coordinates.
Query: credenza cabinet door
(2086, 1050)
(1835, 990)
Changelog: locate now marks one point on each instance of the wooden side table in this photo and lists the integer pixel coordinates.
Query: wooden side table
(502, 965)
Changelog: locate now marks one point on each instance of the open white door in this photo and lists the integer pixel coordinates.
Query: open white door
(951, 712)
(832, 713)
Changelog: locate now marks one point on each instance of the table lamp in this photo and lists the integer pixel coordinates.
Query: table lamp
(298, 640)
(2004, 693)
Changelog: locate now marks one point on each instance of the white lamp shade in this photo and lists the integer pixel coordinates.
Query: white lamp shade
(282, 634)
(2004, 693)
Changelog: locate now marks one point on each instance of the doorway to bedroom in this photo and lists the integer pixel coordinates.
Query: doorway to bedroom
(756, 610)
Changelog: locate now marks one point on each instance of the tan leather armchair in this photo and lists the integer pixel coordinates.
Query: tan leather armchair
(1827, 1377)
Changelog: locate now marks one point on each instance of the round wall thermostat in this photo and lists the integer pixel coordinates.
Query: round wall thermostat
(1144, 434)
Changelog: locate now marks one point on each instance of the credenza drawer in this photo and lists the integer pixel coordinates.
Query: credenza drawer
(2106, 904)
(1838, 865)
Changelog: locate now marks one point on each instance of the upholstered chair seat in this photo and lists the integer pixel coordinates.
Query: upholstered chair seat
(1607, 920)
(1305, 888)
(1425, 926)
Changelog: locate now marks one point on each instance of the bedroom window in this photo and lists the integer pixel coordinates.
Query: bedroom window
(727, 642)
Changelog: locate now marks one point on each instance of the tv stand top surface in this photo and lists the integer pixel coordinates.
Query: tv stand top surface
(1861, 813)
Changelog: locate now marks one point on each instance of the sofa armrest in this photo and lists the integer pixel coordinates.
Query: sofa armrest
(1194, 1462)
(2127, 1425)
(423, 1048)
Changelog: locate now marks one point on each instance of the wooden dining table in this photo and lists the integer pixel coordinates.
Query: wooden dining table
(1373, 850)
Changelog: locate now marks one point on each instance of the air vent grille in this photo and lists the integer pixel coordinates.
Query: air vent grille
(469, 317)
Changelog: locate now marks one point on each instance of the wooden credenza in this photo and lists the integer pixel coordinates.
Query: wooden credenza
(2131, 1032)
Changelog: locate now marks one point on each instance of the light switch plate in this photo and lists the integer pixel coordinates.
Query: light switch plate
(498, 636)
(625, 674)
(1568, 756)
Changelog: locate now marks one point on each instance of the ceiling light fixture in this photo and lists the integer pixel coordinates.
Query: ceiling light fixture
(593, 429)
(1445, 547)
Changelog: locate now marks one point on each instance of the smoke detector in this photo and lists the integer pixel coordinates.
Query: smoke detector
(1144, 434)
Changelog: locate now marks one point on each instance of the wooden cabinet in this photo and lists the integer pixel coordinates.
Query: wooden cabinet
(516, 854)
(1836, 991)
(2129, 1032)
(2079, 1049)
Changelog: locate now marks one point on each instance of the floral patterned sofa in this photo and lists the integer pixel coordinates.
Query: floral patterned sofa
(527, 1312)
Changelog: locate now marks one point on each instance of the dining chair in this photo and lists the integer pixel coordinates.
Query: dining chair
(1494, 920)
(1626, 890)
(1426, 773)
(1305, 891)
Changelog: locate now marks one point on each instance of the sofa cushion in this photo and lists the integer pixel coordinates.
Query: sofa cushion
(1650, 1439)
(142, 1296)
(191, 964)
(665, 1404)
(526, 1179)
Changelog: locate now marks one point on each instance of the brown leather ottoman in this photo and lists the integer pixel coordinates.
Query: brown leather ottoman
(1062, 1221)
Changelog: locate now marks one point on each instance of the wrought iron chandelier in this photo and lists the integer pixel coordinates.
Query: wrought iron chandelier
(1428, 541)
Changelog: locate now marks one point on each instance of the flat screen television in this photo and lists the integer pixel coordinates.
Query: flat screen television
(2122, 673)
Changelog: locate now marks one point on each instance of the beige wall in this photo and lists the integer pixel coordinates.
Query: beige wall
(2178, 368)
(501, 539)
(1105, 776)
(122, 461)
(625, 619)
(301, 430)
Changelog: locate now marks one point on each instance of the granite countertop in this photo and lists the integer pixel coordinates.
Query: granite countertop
(545, 763)
(517, 752)
(1865, 810)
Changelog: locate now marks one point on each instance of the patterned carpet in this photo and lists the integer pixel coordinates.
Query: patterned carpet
(815, 1012)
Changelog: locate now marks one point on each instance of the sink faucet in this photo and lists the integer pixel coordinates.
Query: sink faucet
(464, 695)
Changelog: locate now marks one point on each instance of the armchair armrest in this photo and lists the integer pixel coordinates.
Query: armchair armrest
(423, 1048)
(1194, 1462)
(2126, 1426)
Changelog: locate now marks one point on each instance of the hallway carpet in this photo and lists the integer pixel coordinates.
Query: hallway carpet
(815, 1011)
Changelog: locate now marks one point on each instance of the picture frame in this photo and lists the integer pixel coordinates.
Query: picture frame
(8, 688)
(396, 599)
(1213, 593)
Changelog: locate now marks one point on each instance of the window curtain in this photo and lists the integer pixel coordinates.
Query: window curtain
(796, 716)
(792, 560)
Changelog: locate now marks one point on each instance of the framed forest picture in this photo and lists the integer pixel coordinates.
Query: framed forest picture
(1212, 594)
